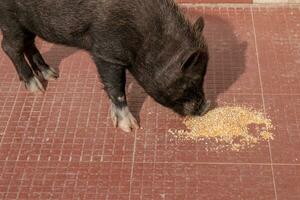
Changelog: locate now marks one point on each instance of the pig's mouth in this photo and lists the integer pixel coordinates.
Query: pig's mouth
(189, 108)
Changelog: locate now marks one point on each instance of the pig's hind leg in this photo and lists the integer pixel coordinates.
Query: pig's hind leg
(114, 80)
(36, 60)
(13, 44)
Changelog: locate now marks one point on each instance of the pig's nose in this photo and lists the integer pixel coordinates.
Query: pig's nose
(205, 107)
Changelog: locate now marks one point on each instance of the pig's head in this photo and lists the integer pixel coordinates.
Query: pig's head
(182, 87)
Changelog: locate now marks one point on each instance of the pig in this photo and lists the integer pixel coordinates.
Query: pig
(152, 39)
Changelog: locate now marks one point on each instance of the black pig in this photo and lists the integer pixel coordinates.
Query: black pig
(150, 38)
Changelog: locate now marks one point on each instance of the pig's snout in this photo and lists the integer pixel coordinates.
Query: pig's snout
(205, 107)
(192, 108)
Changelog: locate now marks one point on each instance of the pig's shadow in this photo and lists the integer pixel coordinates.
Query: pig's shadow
(227, 57)
(56, 54)
(227, 62)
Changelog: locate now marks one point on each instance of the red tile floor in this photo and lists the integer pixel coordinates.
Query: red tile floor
(61, 145)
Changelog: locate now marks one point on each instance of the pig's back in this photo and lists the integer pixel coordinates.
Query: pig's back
(59, 21)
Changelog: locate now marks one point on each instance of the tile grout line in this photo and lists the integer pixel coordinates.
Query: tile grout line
(166, 162)
(132, 164)
(263, 99)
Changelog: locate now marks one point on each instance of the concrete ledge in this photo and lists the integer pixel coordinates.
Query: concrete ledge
(239, 1)
(240, 5)
(276, 1)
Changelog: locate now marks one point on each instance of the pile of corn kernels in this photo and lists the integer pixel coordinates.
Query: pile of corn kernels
(227, 127)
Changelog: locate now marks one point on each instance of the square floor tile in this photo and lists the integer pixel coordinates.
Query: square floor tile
(284, 110)
(287, 179)
(196, 181)
(278, 49)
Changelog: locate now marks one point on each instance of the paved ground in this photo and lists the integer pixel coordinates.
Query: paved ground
(61, 145)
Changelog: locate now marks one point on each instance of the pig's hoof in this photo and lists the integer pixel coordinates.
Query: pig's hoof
(34, 85)
(50, 73)
(123, 119)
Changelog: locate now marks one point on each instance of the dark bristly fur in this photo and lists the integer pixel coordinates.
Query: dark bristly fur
(150, 38)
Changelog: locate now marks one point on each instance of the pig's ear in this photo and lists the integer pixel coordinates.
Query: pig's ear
(199, 25)
(192, 63)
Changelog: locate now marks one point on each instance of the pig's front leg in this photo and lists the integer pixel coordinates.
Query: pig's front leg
(114, 80)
